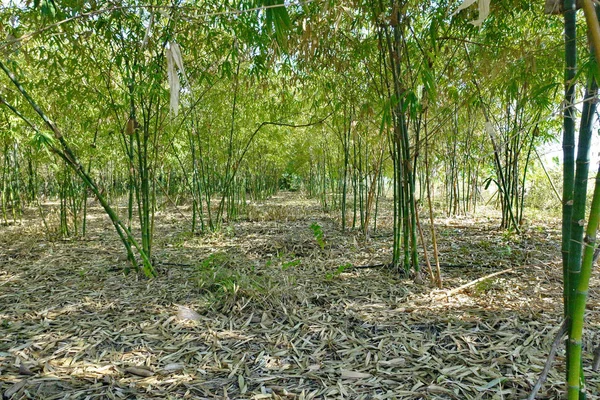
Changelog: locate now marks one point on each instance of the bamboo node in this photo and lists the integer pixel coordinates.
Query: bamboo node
(589, 239)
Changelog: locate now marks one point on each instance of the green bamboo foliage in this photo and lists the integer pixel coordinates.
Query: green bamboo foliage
(64, 151)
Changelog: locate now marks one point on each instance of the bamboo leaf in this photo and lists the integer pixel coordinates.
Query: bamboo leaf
(42, 140)
(347, 374)
(139, 371)
(277, 20)
(491, 384)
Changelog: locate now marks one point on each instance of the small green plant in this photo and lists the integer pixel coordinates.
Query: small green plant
(484, 287)
(214, 260)
(181, 238)
(290, 264)
(486, 244)
(215, 275)
(506, 251)
(229, 231)
(510, 235)
(224, 281)
(318, 234)
(340, 270)
(221, 281)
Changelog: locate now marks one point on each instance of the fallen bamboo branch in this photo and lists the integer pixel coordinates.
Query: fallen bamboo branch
(475, 282)
(544, 375)
(596, 363)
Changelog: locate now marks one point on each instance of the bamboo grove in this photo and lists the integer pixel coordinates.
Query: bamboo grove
(365, 104)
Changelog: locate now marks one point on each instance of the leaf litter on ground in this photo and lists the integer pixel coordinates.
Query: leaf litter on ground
(264, 311)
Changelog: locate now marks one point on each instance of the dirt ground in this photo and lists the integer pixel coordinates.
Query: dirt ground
(261, 310)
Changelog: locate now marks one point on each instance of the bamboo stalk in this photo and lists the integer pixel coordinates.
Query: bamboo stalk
(568, 144)
(593, 26)
(580, 297)
(580, 184)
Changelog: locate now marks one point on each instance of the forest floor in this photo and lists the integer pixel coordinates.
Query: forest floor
(263, 311)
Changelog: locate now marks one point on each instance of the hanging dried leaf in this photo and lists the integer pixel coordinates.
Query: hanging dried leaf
(176, 51)
(484, 10)
(148, 32)
(465, 4)
(131, 126)
(173, 77)
(489, 128)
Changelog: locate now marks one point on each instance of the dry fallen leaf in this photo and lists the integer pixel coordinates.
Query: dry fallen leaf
(171, 368)
(347, 374)
(365, 332)
(186, 313)
(24, 370)
(14, 389)
(139, 371)
(395, 362)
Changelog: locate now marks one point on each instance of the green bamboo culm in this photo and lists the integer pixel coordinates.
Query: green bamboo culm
(579, 297)
(580, 188)
(580, 249)
(391, 39)
(568, 145)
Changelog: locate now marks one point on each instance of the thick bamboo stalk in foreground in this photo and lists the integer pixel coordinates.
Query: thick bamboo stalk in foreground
(579, 297)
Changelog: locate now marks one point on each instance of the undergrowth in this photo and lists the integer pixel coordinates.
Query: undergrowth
(229, 286)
